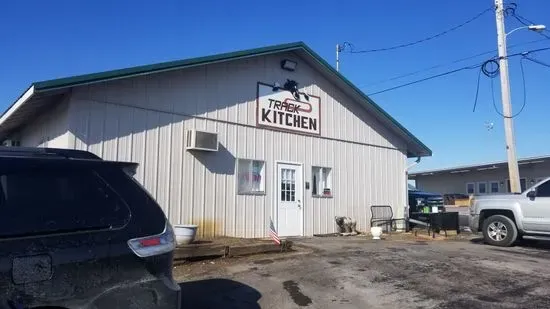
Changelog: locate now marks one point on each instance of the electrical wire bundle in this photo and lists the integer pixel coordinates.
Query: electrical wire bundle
(491, 69)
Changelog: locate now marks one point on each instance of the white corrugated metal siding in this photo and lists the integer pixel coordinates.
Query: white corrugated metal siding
(48, 130)
(144, 119)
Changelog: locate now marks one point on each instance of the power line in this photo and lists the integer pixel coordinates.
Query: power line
(525, 53)
(537, 61)
(454, 71)
(489, 72)
(511, 10)
(529, 23)
(447, 64)
(429, 68)
(477, 91)
(425, 79)
(524, 94)
(421, 40)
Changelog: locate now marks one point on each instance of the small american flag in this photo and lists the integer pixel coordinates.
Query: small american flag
(273, 232)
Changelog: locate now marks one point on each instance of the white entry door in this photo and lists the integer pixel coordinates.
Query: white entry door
(289, 200)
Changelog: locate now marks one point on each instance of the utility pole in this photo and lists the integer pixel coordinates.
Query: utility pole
(513, 169)
(337, 57)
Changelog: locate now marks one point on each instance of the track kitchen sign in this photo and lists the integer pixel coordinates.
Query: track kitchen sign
(280, 109)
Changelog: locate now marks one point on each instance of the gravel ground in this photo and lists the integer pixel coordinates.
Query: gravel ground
(355, 272)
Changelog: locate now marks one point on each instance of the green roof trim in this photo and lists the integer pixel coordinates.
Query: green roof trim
(179, 64)
(164, 66)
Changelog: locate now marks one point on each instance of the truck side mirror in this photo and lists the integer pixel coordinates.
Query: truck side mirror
(531, 194)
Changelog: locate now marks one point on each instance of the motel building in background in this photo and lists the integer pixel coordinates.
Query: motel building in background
(482, 178)
(232, 141)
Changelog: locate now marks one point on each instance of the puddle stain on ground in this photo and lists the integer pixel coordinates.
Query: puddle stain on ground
(263, 262)
(488, 299)
(335, 263)
(296, 294)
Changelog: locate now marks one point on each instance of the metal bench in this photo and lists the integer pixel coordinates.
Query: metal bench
(382, 215)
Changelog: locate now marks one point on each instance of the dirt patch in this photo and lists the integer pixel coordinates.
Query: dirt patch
(420, 242)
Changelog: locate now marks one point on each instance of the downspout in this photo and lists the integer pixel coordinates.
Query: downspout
(406, 214)
(413, 164)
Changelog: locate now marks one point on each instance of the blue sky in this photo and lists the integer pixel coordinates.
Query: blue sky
(42, 40)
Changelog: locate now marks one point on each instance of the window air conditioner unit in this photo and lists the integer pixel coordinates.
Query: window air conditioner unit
(11, 143)
(201, 140)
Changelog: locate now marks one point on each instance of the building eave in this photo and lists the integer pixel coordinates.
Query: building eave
(478, 167)
(415, 148)
(25, 96)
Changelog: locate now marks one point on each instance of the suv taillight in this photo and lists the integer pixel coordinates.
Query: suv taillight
(154, 245)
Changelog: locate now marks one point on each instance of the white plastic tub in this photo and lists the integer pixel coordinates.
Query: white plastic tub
(376, 232)
(185, 233)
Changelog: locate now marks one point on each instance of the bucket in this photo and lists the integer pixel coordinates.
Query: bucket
(185, 233)
(376, 232)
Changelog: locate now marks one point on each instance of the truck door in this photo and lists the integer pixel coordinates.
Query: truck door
(536, 209)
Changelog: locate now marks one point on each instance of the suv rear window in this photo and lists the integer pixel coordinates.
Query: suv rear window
(42, 199)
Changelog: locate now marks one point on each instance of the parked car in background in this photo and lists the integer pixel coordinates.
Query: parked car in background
(419, 199)
(503, 218)
(79, 232)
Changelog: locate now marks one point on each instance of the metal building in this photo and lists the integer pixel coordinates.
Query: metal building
(232, 141)
(484, 178)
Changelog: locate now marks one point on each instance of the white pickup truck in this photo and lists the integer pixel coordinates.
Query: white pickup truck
(503, 218)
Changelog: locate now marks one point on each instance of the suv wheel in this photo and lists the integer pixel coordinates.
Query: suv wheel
(499, 230)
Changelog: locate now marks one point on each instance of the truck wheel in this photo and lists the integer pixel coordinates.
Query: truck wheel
(499, 230)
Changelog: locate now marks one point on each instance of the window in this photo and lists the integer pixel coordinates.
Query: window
(493, 186)
(250, 177)
(321, 181)
(42, 199)
(481, 187)
(522, 182)
(470, 188)
(288, 185)
(544, 190)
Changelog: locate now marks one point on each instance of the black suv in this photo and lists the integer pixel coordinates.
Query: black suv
(80, 232)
